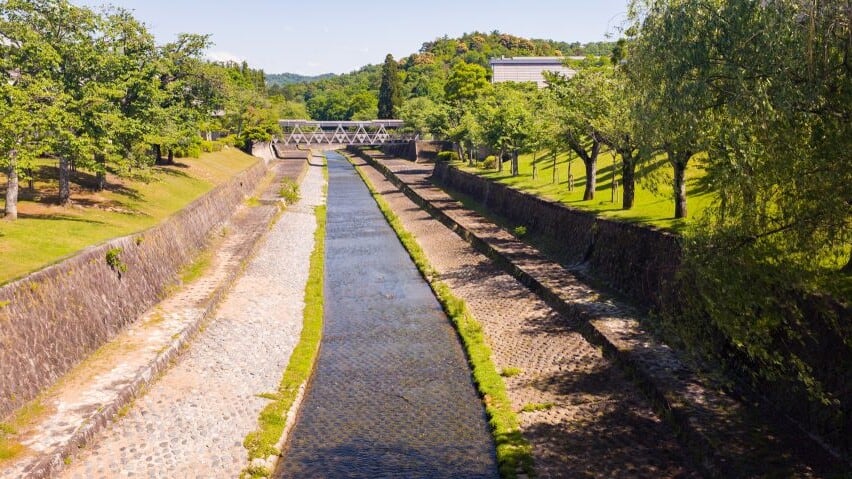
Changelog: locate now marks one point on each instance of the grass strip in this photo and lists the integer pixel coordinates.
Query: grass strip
(273, 418)
(514, 454)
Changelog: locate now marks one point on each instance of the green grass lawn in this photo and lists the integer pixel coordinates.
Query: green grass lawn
(45, 232)
(655, 208)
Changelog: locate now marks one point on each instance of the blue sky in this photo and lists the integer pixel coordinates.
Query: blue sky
(312, 37)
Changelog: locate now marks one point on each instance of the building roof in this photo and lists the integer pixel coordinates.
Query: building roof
(544, 61)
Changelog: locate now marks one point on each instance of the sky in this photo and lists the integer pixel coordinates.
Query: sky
(333, 36)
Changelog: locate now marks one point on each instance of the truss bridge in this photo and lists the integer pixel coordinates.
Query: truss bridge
(375, 132)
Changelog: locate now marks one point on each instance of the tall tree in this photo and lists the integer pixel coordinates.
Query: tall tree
(618, 129)
(390, 90)
(765, 90)
(583, 106)
(509, 121)
(29, 97)
(186, 94)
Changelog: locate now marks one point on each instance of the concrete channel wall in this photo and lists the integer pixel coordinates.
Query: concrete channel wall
(55, 317)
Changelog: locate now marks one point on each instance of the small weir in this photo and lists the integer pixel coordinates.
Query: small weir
(392, 394)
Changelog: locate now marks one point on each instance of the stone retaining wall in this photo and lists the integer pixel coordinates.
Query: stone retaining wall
(417, 150)
(54, 318)
(642, 262)
(637, 261)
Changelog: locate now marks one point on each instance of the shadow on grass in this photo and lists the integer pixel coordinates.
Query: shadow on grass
(169, 170)
(58, 217)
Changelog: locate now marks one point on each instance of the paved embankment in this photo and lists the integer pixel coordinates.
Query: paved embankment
(88, 398)
(193, 420)
(727, 439)
(392, 394)
(584, 418)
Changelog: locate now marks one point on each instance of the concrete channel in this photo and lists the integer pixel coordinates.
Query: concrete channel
(392, 394)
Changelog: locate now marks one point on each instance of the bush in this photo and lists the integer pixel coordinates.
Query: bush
(448, 156)
(489, 163)
(230, 140)
(211, 146)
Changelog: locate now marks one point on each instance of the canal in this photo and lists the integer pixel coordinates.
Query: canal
(392, 394)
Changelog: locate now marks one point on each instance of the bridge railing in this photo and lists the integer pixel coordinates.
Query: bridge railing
(374, 132)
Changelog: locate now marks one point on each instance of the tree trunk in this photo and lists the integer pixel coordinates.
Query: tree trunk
(64, 180)
(570, 177)
(591, 177)
(500, 161)
(679, 161)
(158, 155)
(628, 179)
(515, 168)
(534, 165)
(11, 211)
(100, 161)
(590, 159)
(554, 178)
(171, 157)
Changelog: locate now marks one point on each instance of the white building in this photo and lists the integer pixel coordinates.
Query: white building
(524, 69)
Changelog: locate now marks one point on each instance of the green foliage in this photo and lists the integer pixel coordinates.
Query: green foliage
(489, 163)
(764, 89)
(289, 191)
(510, 371)
(113, 260)
(519, 231)
(448, 156)
(280, 79)
(390, 95)
(196, 269)
(424, 74)
(535, 407)
(466, 82)
(211, 146)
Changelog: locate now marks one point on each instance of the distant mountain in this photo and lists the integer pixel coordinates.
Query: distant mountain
(290, 78)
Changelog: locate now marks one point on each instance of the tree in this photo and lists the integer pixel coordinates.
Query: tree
(465, 83)
(673, 109)
(618, 129)
(582, 108)
(509, 121)
(764, 89)
(29, 98)
(390, 91)
(186, 94)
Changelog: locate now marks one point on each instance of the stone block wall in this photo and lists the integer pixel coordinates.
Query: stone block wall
(637, 261)
(642, 263)
(55, 317)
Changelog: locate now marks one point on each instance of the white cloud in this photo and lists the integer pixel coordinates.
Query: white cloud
(222, 56)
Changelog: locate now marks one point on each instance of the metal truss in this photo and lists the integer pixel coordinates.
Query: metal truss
(376, 132)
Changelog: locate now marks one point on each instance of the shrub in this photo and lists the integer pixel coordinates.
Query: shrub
(489, 163)
(520, 231)
(448, 156)
(211, 146)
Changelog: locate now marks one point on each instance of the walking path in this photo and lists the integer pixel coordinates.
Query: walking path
(392, 394)
(586, 418)
(193, 420)
(84, 402)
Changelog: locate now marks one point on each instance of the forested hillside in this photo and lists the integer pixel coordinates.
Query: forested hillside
(273, 79)
(423, 74)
